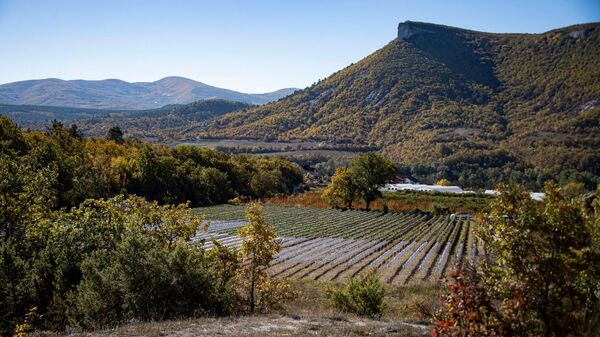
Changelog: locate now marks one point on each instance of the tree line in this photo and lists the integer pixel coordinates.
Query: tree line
(82, 168)
(96, 232)
(107, 262)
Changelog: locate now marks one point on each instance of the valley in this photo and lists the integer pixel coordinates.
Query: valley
(446, 184)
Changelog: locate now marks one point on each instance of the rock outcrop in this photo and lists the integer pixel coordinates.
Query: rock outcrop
(407, 29)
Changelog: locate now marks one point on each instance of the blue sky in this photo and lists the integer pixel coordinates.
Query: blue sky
(250, 46)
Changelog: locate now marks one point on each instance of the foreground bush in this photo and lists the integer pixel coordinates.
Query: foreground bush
(541, 276)
(145, 281)
(362, 296)
(15, 288)
(106, 262)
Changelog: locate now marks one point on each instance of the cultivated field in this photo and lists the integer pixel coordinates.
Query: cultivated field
(329, 244)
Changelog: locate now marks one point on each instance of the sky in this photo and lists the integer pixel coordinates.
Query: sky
(249, 46)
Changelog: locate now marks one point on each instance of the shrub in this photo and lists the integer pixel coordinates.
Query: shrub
(469, 311)
(15, 288)
(541, 274)
(145, 281)
(438, 209)
(258, 248)
(362, 296)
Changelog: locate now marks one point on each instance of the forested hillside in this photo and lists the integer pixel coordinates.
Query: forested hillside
(169, 121)
(74, 168)
(475, 105)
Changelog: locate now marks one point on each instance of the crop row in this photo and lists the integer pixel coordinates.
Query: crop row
(328, 244)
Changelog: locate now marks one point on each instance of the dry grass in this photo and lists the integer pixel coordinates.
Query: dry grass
(313, 199)
(309, 315)
(400, 300)
(263, 326)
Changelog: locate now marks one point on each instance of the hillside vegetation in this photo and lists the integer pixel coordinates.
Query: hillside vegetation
(478, 106)
(79, 168)
(166, 122)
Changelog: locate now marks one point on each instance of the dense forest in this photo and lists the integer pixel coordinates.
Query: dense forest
(77, 168)
(455, 100)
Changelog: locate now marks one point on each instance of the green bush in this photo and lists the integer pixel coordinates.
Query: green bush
(15, 288)
(145, 281)
(361, 296)
(110, 261)
(438, 209)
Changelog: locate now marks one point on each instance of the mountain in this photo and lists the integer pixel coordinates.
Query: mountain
(450, 96)
(167, 122)
(164, 123)
(117, 94)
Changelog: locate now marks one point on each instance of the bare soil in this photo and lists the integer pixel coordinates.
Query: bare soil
(264, 326)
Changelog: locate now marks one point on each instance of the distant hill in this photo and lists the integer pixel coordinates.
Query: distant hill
(166, 122)
(117, 94)
(455, 98)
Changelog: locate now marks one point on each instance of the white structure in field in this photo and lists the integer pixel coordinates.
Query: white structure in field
(423, 188)
(538, 196)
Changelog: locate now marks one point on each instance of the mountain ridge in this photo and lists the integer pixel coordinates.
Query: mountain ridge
(433, 97)
(119, 94)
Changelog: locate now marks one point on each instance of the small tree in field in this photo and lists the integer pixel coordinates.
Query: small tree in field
(342, 189)
(442, 182)
(257, 251)
(370, 172)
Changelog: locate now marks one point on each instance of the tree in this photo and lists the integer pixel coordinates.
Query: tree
(342, 188)
(443, 182)
(75, 132)
(257, 251)
(370, 172)
(115, 134)
(550, 252)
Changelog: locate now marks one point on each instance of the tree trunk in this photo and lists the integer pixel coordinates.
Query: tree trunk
(252, 296)
(349, 204)
(368, 202)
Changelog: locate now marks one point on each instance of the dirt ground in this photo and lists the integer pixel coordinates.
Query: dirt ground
(264, 326)
(310, 314)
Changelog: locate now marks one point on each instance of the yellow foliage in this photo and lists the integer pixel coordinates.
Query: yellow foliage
(22, 329)
(443, 182)
(258, 248)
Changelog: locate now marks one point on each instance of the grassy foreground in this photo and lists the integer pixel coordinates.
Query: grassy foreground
(309, 314)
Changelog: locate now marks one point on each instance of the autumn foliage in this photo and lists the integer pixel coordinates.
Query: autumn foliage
(541, 275)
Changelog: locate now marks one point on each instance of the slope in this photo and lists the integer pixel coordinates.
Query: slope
(167, 122)
(445, 95)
